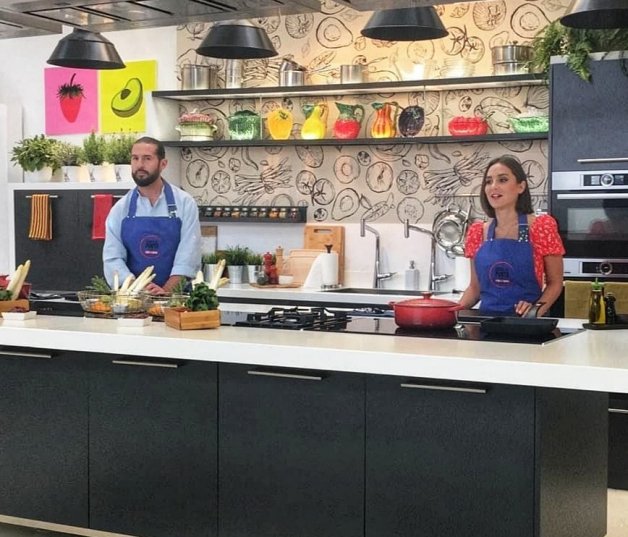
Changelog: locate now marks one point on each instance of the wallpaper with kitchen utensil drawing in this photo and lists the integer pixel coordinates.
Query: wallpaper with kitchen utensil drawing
(387, 182)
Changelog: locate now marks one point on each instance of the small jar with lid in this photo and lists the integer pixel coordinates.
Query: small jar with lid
(217, 212)
(262, 212)
(244, 212)
(254, 213)
(283, 212)
(273, 212)
(226, 212)
(235, 212)
(294, 213)
(209, 211)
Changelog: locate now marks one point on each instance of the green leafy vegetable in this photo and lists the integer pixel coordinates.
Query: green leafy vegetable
(202, 298)
(5, 295)
(99, 284)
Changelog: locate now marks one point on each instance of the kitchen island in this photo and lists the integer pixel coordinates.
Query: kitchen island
(259, 432)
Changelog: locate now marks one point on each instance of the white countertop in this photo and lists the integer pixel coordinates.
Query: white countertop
(589, 360)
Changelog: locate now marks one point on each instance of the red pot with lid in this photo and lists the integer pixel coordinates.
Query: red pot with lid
(425, 312)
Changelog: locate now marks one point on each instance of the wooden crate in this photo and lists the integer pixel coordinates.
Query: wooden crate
(191, 320)
(8, 305)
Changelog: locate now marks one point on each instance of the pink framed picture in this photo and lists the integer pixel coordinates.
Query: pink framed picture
(71, 99)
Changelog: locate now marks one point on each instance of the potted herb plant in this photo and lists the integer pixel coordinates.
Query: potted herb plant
(72, 163)
(236, 257)
(38, 156)
(95, 151)
(210, 262)
(253, 266)
(118, 153)
(576, 44)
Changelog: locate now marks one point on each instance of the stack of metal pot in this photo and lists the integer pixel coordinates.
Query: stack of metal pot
(291, 73)
(511, 59)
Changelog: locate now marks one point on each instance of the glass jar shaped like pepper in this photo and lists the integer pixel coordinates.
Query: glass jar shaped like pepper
(597, 306)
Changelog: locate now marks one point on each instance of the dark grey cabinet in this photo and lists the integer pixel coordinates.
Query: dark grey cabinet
(445, 458)
(588, 119)
(71, 243)
(291, 456)
(152, 445)
(618, 442)
(43, 436)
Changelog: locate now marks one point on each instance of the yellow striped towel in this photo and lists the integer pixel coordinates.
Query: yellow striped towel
(41, 218)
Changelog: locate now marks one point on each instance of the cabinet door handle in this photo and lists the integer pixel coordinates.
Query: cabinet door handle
(443, 388)
(168, 365)
(617, 411)
(597, 160)
(17, 354)
(261, 373)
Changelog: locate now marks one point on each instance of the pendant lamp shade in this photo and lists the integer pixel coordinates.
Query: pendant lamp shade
(405, 24)
(597, 14)
(83, 49)
(238, 40)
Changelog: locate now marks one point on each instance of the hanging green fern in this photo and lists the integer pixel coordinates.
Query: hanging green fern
(576, 45)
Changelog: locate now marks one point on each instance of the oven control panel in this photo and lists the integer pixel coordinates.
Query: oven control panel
(589, 180)
(609, 268)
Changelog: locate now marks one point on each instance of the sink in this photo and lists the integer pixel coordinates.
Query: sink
(371, 291)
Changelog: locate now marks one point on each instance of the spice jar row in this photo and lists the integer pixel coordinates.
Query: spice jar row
(235, 213)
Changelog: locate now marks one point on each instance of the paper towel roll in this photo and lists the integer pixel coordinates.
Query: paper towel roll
(462, 273)
(330, 268)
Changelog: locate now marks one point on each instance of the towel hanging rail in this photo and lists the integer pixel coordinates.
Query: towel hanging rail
(114, 197)
(51, 196)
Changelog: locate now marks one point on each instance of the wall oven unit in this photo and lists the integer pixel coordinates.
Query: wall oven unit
(591, 208)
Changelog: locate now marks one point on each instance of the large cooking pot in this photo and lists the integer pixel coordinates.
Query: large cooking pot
(511, 53)
(425, 312)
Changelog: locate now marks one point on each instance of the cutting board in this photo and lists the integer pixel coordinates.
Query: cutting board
(317, 236)
(299, 262)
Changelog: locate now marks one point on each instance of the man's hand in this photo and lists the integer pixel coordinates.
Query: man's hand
(154, 289)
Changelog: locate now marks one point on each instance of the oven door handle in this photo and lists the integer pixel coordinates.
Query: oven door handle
(606, 196)
(597, 160)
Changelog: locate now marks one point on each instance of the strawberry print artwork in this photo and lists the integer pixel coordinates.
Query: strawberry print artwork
(70, 96)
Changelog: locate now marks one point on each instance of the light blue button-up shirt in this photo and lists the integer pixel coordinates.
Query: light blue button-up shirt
(187, 260)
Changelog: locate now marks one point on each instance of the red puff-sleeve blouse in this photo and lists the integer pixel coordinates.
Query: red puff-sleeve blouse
(544, 238)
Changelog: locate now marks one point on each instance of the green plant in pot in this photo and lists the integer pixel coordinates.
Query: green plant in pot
(37, 153)
(71, 158)
(576, 44)
(95, 151)
(253, 265)
(118, 152)
(209, 262)
(236, 257)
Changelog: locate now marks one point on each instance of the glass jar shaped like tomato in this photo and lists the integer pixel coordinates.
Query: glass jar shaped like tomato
(349, 121)
(467, 126)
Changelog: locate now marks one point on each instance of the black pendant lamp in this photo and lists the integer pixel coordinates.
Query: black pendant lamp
(238, 40)
(83, 49)
(405, 24)
(597, 14)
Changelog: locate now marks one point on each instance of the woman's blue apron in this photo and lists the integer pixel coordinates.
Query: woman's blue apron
(152, 240)
(505, 270)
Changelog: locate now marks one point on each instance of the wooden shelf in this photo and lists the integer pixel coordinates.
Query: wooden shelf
(438, 84)
(364, 141)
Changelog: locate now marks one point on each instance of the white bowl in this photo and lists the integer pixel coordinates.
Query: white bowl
(134, 321)
(18, 315)
(285, 279)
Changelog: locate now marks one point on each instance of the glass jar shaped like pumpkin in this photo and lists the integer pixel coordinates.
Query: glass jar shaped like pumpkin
(315, 125)
(349, 121)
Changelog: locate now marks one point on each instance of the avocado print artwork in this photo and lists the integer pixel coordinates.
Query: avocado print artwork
(122, 102)
(129, 99)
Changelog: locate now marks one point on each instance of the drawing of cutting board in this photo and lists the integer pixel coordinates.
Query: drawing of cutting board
(317, 236)
(299, 262)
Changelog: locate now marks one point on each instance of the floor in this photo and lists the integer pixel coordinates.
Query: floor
(617, 520)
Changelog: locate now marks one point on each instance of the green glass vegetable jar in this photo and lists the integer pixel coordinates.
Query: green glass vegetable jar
(245, 125)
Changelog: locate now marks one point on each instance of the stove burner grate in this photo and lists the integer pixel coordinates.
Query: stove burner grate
(298, 319)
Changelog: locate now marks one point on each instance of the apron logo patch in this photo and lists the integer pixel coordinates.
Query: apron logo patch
(500, 274)
(149, 246)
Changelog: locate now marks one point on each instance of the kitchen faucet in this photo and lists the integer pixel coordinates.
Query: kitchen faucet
(377, 275)
(434, 278)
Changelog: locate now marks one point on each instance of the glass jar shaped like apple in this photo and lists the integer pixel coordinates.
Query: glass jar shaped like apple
(349, 121)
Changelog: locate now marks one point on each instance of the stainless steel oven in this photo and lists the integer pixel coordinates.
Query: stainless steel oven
(591, 209)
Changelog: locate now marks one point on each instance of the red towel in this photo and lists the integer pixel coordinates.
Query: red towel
(102, 206)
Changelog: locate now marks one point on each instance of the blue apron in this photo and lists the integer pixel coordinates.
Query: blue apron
(152, 240)
(505, 270)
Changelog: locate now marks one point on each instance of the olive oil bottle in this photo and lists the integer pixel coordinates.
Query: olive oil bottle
(597, 305)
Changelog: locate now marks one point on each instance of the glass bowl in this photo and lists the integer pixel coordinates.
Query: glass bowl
(95, 301)
(155, 304)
